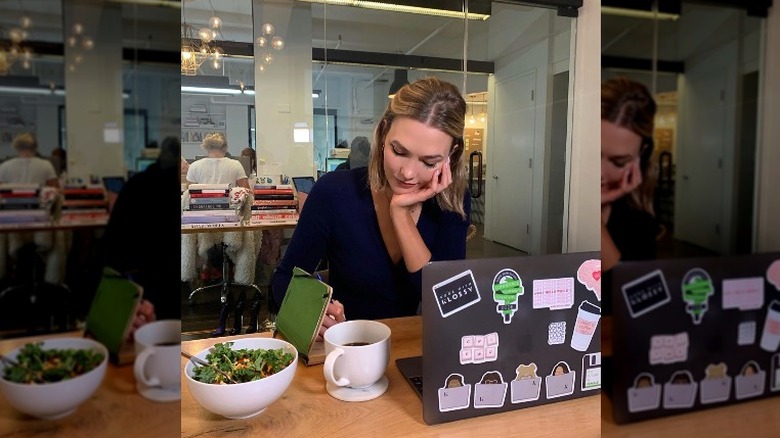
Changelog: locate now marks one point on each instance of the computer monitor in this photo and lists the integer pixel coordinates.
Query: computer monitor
(303, 184)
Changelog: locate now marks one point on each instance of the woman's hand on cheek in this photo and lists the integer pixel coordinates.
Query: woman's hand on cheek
(632, 178)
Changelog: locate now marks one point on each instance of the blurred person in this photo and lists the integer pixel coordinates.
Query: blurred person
(217, 167)
(27, 167)
(250, 153)
(60, 161)
(358, 154)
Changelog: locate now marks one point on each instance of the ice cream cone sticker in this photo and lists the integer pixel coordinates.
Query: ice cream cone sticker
(696, 289)
(507, 286)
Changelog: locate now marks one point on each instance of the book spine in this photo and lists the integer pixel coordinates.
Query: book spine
(220, 206)
(209, 195)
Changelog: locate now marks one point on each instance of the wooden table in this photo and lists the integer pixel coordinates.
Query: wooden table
(306, 409)
(755, 419)
(115, 410)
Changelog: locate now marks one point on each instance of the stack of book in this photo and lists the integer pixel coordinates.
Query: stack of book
(209, 203)
(274, 203)
(21, 203)
(84, 203)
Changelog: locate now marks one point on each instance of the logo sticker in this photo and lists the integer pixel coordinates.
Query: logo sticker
(456, 293)
(507, 287)
(646, 293)
(696, 290)
(589, 274)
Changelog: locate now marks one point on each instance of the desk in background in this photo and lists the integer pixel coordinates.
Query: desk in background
(306, 409)
(115, 410)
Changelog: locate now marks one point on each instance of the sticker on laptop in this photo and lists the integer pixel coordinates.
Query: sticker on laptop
(455, 394)
(588, 316)
(773, 274)
(746, 333)
(680, 390)
(743, 293)
(456, 293)
(697, 288)
(589, 274)
(646, 293)
(507, 287)
(560, 382)
(716, 386)
(645, 395)
(478, 348)
(774, 370)
(490, 392)
(666, 349)
(591, 371)
(770, 336)
(553, 293)
(527, 384)
(556, 333)
(750, 381)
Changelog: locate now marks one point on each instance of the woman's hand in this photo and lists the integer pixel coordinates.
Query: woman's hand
(334, 314)
(442, 178)
(630, 181)
(143, 315)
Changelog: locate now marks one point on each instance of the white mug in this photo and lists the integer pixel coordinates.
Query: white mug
(157, 349)
(356, 366)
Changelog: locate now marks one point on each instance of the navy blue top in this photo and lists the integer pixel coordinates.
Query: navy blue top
(338, 222)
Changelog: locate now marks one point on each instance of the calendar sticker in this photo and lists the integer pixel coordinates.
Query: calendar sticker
(646, 293)
(553, 293)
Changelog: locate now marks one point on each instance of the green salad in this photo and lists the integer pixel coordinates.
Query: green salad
(35, 365)
(244, 365)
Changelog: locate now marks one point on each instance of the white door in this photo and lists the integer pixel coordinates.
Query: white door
(706, 128)
(510, 173)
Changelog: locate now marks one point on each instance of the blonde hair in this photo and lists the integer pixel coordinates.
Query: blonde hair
(214, 141)
(25, 142)
(437, 104)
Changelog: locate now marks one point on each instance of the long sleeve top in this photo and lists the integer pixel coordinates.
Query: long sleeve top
(338, 222)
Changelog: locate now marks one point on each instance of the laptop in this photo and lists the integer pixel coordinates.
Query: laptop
(501, 334)
(303, 184)
(696, 333)
(113, 184)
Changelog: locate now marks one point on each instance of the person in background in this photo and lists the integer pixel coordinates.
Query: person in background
(407, 208)
(59, 160)
(217, 168)
(184, 167)
(27, 167)
(628, 225)
(358, 154)
(250, 153)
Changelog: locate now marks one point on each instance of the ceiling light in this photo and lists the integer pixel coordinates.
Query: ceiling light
(218, 91)
(316, 93)
(378, 5)
(41, 91)
(637, 13)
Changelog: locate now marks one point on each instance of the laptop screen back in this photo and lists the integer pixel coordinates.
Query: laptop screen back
(691, 334)
(508, 333)
(303, 184)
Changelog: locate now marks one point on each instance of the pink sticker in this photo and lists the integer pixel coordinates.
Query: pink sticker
(467, 342)
(589, 274)
(479, 348)
(479, 355)
(553, 293)
(466, 356)
(479, 341)
(743, 293)
(491, 353)
(491, 339)
(773, 274)
(668, 349)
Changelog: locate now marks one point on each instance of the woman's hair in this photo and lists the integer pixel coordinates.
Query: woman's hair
(628, 104)
(25, 142)
(437, 104)
(214, 141)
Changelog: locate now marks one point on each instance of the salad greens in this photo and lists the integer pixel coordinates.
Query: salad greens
(35, 365)
(244, 365)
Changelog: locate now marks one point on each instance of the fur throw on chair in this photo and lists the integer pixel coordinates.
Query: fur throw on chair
(242, 249)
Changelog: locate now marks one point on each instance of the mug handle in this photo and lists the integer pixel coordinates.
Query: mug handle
(327, 369)
(138, 368)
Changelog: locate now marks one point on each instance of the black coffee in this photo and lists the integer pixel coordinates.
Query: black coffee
(357, 344)
(167, 344)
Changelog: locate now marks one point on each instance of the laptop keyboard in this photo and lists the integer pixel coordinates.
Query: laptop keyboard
(417, 383)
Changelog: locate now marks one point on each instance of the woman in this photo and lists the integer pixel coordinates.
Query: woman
(628, 228)
(217, 168)
(379, 226)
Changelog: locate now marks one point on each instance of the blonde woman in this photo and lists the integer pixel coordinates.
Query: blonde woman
(216, 168)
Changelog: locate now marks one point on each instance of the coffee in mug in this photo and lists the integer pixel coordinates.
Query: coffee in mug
(157, 366)
(356, 364)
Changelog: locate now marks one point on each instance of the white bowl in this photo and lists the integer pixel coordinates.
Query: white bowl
(59, 399)
(243, 400)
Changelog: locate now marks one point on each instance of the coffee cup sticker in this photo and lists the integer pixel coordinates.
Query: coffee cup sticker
(527, 384)
(490, 392)
(716, 385)
(589, 274)
(770, 337)
(553, 293)
(750, 381)
(680, 391)
(507, 287)
(646, 293)
(456, 293)
(774, 369)
(743, 293)
(591, 371)
(560, 382)
(455, 394)
(666, 349)
(588, 317)
(746, 333)
(478, 349)
(773, 274)
(556, 333)
(645, 395)
(696, 291)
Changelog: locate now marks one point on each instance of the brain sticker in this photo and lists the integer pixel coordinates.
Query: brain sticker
(589, 274)
(773, 274)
